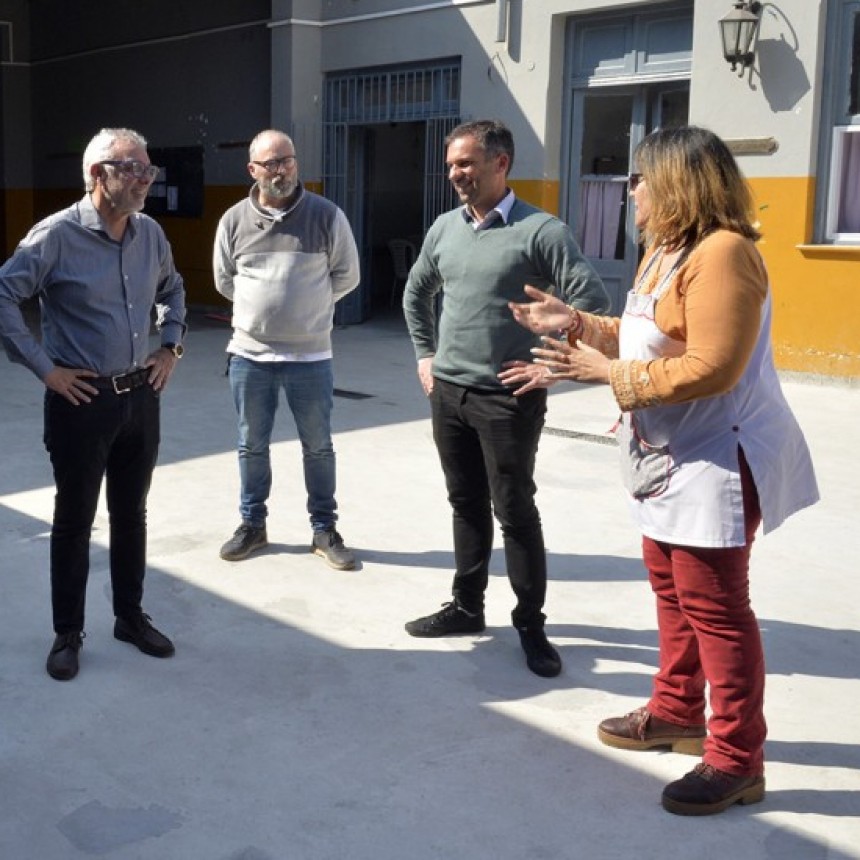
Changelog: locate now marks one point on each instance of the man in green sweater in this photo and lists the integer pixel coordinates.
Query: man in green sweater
(482, 255)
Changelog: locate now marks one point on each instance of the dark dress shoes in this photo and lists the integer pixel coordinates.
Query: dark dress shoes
(140, 633)
(63, 658)
(706, 791)
(541, 657)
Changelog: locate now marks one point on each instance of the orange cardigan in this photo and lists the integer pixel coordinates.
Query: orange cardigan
(713, 305)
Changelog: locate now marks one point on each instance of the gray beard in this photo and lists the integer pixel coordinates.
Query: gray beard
(275, 192)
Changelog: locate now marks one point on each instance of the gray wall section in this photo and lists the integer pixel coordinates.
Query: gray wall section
(779, 98)
(399, 40)
(17, 155)
(73, 26)
(182, 73)
(207, 91)
(15, 101)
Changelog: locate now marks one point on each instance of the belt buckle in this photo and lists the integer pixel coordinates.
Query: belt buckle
(121, 384)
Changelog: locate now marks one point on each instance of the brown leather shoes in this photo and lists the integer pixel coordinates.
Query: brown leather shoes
(641, 730)
(706, 790)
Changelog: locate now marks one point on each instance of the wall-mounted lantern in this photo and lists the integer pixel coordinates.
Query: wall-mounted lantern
(738, 30)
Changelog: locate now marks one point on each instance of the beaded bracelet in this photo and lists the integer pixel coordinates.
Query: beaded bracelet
(575, 327)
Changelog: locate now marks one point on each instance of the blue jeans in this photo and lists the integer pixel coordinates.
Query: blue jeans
(309, 389)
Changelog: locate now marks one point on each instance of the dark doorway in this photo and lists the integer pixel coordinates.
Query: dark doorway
(395, 202)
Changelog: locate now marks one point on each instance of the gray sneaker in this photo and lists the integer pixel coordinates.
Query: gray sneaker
(246, 539)
(329, 545)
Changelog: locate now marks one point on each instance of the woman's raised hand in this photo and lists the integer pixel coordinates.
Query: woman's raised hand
(579, 363)
(542, 315)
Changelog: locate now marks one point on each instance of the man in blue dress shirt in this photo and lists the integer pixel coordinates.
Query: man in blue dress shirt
(98, 268)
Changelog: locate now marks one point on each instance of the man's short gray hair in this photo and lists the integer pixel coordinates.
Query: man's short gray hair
(100, 148)
(267, 133)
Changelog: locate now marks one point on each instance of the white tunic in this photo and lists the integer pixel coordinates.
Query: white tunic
(680, 461)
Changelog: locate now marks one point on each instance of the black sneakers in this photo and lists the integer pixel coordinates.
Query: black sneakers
(140, 633)
(453, 620)
(329, 545)
(541, 657)
(246, 539)
(450, 620)
(63, 658)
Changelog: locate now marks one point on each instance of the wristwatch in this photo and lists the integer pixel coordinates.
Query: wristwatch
(176, 348)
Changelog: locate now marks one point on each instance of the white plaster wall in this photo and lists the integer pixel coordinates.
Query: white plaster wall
(535, 59)
(779, 97)
(521, 80)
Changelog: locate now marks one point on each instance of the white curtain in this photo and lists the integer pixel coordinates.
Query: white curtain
(849, 208)
(600, 211)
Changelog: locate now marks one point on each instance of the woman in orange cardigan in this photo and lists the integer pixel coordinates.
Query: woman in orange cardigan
(709, 450)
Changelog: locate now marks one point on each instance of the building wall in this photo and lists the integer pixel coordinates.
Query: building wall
(521, 79)
(816, 312)
(211, 75)
(184, 74)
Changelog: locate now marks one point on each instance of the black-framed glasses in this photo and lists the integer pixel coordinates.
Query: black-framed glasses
(633, 180)
(135, 168)
(273, 165)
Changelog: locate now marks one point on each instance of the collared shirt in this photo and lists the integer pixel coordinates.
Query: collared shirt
(501, 210)
(96, 294)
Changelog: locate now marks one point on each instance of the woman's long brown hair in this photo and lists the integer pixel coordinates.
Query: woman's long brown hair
(695, 187)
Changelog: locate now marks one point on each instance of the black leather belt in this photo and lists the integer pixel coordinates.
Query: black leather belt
(124, 382)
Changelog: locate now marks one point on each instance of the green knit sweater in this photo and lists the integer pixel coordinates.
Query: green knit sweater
(479, 272)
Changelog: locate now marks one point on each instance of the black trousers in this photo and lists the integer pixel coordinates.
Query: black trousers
(487, 443)
(115, 436)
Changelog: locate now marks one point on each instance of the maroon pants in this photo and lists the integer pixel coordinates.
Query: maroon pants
(709, 633)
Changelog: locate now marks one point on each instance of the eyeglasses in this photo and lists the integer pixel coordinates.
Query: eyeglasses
(135, 168)
(273, 165)
(633, 180)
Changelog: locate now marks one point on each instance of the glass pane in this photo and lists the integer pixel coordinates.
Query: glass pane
(604, 168)
(849, 185)
(674, 108)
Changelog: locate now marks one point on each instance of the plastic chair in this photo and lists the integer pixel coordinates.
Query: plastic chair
(403, 254)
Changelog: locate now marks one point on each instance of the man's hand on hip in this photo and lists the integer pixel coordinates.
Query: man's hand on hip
(162, 363)
(72, 384)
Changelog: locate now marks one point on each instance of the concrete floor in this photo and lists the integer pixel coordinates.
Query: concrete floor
(298, 720)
